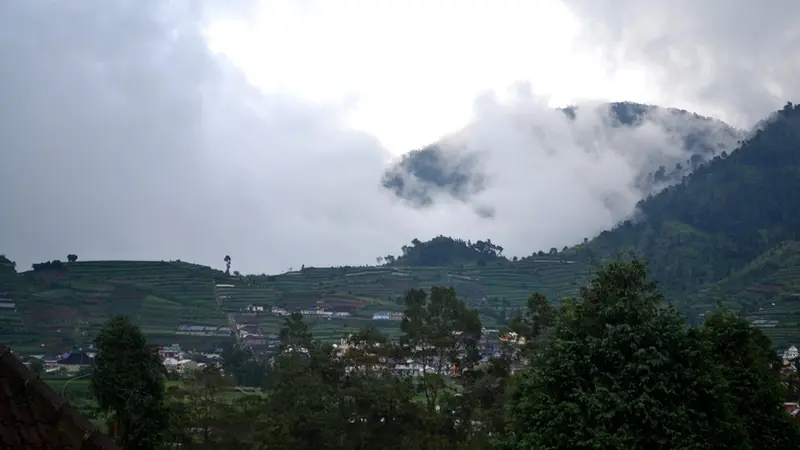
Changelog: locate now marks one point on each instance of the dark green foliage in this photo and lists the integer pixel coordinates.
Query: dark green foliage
(240, 363)
(200, 416)
(315, 402)
(444, 251)
(36, 366)
(128, 382)
(539, 316)
(49, 265)
(755, 384)
(440, 332)
(483, 401)
(722, 216)
(619, 372)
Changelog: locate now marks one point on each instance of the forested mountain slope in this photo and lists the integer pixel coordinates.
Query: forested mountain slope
(721, 217)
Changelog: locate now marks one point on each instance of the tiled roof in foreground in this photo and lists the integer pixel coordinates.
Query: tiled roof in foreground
(33, 416)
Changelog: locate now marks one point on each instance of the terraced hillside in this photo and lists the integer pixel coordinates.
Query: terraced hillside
(62, 308)
(496, 289)
(176, 302)
(11, 325)
(767, 290)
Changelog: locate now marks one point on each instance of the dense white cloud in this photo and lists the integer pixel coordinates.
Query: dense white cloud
(737, 59)
(123, 137)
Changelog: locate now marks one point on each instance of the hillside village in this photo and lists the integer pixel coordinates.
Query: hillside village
(181, 361)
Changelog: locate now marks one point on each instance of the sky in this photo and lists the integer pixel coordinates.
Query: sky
(177, 129)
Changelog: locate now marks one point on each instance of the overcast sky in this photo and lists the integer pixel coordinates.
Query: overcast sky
(160, 129)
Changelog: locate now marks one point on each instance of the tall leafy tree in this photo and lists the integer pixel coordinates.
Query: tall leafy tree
(243, 366)
(441, 333)
(754, 380)
(538, 318)
(128, 382)
(303, 394)
(621, 371)
(203, 390)
(201, 404)
(380, 406)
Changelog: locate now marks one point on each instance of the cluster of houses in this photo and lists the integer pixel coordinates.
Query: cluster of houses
(791, 362)
(322, 312)
(203, 330)
(388, 316)
(314, 312)
(69, 363)
(179, 361)
(490, 345)
(66, 363)
(74, 363)
(252, 336)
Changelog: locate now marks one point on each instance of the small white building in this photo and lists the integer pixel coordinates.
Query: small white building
(279, 311)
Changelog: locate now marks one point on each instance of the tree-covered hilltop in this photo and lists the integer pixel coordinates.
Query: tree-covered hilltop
(445, 251)
(440, 168)
(722, 216)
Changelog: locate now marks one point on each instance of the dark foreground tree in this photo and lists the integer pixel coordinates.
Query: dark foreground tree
(201, 418)
(442, 334)
(538, 318)
(755, 383)
(243, 366)
(621, 372)
(128, 382)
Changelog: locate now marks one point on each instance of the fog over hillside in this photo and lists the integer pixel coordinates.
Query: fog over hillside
(658, 145)
(124, 137)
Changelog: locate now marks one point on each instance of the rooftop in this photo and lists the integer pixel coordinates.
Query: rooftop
(33, 416)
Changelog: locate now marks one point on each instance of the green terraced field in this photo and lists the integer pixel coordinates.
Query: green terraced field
(60, 309)
(767, 290)
(57, 310)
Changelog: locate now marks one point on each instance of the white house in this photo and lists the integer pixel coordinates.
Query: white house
(280, 311)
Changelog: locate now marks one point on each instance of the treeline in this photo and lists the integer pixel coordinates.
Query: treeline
(55, 264)
(612, 368)
(445, 251)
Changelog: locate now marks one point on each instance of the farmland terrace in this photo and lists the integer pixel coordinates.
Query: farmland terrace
(58, 308)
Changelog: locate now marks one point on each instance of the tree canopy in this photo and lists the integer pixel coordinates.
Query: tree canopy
(128, 382)
(621, 370)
